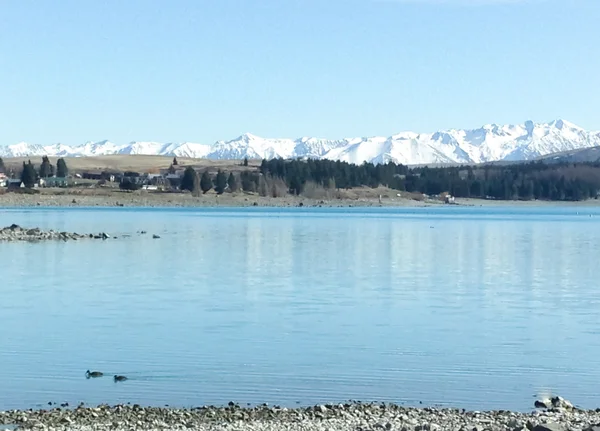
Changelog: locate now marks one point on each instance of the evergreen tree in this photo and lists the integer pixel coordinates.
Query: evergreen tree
(2, 167)
(61, 168)
(171, 169)
(46, 168)
(245, 163)
(249, 181)
(206, 182)
(190, 180)
(232, 183)
(129, 184)
(220, 182)
(28, 175)
(175, 162)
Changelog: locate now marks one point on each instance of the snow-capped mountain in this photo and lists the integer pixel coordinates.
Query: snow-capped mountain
(489, 143)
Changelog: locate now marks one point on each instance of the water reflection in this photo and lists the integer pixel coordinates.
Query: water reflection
(475, 308)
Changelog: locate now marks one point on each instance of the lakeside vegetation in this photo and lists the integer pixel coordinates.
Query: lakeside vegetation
(322, 178)
(519, 181)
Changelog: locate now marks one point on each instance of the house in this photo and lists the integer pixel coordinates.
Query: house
(112, 176)
(175, 171)
(57, 182)
(92, 175)
(174, 180)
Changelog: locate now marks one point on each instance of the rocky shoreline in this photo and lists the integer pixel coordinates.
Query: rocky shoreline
(17, 233)
(350, 416)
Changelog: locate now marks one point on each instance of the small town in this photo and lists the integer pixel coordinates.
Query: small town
(46, 175)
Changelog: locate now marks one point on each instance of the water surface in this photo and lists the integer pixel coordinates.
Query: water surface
(471, 307)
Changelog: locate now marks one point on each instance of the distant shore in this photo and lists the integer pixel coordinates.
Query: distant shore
(364, 416)
(352, 198)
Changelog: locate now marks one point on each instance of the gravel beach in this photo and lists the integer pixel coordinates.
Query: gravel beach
(117, 198)
(362, 197)
(355, 417)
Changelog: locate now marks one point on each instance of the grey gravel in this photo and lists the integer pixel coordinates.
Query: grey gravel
(354, 417)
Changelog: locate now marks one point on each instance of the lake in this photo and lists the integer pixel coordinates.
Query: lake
(478, 308)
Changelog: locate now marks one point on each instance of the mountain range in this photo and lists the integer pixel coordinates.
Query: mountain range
(489, 143)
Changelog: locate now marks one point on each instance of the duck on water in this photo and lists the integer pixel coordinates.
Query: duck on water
(93, 374)
(120, 378)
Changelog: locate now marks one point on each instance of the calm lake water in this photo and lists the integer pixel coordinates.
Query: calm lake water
(471, 307)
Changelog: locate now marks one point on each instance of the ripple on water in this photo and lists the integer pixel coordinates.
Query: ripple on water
(492, 306)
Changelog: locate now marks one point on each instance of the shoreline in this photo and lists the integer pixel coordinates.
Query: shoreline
(117, 199)
(347, 416)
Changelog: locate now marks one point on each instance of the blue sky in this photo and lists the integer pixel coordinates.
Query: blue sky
(202, 70)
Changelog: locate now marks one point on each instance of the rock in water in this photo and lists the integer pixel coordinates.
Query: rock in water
(543, 404)
(561, 403)
(554, 403)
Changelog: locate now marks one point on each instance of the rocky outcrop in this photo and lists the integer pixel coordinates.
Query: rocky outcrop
(17, 233)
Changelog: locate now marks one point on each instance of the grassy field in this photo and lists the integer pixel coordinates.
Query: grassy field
(137, 163)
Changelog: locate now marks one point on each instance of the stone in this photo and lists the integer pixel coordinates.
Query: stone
(543, 404)
(551, 426)
(560, 403)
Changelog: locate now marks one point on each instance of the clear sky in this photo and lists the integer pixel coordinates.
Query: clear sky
(202, 70)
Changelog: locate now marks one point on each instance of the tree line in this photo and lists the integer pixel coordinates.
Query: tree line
(30, 175)
(196, 183)
(524, 181)
(276, 177)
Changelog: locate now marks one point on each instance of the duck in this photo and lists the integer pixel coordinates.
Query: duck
(94, 374)
(120, 378)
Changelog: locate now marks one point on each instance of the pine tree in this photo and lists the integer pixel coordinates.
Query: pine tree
(175, 162)
(28, 175)
(46, 168)
(61, 168)
(206, 182)
(245, 163)
(171, 169)
(232, 183)
(263, 187)
(2, 167)
(190, 180)
(248, 182)
(220, 182)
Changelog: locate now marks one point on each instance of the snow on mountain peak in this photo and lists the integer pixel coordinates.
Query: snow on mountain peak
(491, 142)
